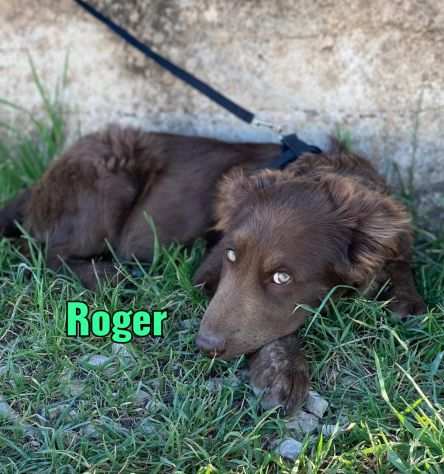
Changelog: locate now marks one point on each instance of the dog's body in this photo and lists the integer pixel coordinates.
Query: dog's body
(107, 184)
(288, 237)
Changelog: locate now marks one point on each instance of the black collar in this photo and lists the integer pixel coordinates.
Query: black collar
(291, 149)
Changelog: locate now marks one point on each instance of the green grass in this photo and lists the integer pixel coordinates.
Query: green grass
(386, 377)
(25, 155)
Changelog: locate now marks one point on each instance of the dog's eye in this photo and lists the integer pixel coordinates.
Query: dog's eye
(281, 278)
(231, 255)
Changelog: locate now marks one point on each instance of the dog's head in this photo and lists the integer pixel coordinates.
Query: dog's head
(286, 243)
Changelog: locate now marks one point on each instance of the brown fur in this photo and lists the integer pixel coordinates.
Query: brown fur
(326, 220)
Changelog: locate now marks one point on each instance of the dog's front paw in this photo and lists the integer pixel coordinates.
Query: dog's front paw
(280, 377)
(283, 389)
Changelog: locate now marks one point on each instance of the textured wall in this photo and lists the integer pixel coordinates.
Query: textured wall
(372, 67)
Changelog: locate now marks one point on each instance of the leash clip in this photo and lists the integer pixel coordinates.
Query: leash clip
(271, 126)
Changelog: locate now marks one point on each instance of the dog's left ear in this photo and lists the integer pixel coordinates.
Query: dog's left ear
(376, 224)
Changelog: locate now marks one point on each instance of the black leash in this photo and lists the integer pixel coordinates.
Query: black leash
(292, 146)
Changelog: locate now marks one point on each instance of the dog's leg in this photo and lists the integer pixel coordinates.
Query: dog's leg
(208, 274)
(405, 298)
(280, 370)
(92, 273)
(89, 271)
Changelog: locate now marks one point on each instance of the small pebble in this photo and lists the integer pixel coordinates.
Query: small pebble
(289, 448)
(75, 387)
(3, 370)
(96, 360)
(90, 431)
(141, 397)
(147, 426)
(6, 411)
(123, 353)
(316, 404)
(303, 422)
(328, 430)
(120, 349)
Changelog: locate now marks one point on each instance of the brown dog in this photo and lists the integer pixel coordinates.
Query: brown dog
(288, 237)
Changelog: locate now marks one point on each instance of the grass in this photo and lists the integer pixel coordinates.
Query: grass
(151, 407)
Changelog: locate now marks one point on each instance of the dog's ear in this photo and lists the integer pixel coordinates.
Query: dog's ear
(230, 194)
(376, 224)
(237, 191)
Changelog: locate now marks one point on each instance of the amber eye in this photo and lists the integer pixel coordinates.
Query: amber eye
(231, 255)
(281, 278)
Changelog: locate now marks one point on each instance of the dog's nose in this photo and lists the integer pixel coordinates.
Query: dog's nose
(213, 345)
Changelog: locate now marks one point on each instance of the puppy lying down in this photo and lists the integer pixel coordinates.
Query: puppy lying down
(288, 237)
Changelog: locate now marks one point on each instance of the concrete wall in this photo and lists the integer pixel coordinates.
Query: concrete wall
(374, 68)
